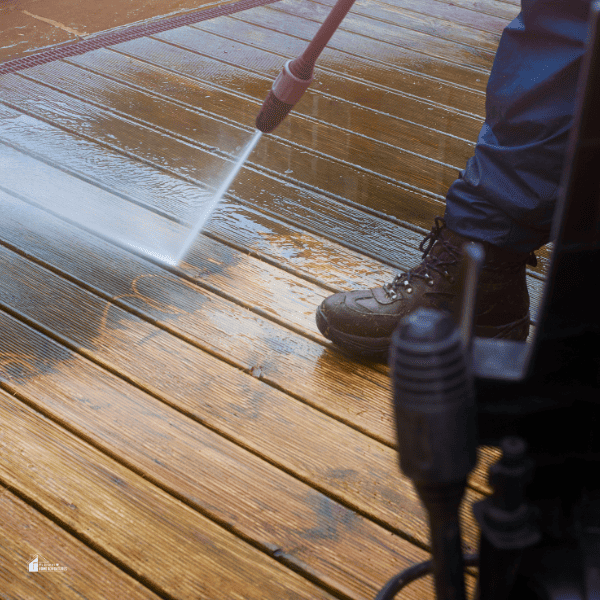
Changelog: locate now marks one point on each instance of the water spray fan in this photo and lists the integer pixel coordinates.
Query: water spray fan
(297, 74)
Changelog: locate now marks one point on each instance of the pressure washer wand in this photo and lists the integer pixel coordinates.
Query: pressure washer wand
(297, 74)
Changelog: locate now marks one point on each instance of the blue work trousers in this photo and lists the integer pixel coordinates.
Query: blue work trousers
(507, 193)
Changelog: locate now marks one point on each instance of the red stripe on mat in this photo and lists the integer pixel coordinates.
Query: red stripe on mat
(103, 40)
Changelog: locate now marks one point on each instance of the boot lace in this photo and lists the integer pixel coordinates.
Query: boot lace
(428, 264)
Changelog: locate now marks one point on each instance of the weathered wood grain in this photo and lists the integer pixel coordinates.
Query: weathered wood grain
(287, 433)
(158, 539)
(311, 532)
(25, 533)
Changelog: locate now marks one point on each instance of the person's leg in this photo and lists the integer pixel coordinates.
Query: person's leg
(504, 198)
(507, 193)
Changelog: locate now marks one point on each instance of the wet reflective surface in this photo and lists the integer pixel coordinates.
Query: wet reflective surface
(237, 421)
(28, 26)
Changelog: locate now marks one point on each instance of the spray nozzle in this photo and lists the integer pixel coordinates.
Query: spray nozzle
(286, 91)
(296, 75)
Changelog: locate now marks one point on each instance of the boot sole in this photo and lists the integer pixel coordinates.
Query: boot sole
(377, 348)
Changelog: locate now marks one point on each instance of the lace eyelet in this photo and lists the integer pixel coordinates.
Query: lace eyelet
(430, 282)
(408, 290)
(451, 279)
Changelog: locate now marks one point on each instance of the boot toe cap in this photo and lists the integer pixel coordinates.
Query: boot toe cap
(356, 313)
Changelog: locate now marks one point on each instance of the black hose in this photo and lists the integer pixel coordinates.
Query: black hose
(396, 583)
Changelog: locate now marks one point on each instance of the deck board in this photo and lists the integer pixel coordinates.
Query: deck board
(25, 533)
(190, 460)
(181, 553)
(196, 433)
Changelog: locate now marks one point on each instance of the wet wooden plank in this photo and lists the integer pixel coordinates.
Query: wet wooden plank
(339, 113)
(402, 33)
(503, 9)
(310, 257)
(25, 533)
(389, 56)
(156, 538)
(119, 347)
(322, 163)
(316, 535)
(448, 21)
(235, 57)
(368, 67)
(306, 208)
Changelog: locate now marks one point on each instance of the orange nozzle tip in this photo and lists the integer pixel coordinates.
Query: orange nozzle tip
(273, 111)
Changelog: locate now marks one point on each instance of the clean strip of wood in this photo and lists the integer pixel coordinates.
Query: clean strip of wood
(402, 133)
(303, 207)
(300, 439)
(503, 9)
(282, 294)
(390, 57)
(308, 256)
(399, 93)
(331, 147)
(434, 17)
(399, 34)
(159, 539)
(26, 533)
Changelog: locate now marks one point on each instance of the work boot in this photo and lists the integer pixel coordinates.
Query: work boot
(362, 322)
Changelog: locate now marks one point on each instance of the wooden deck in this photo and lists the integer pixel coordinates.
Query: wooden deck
(187, 432)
